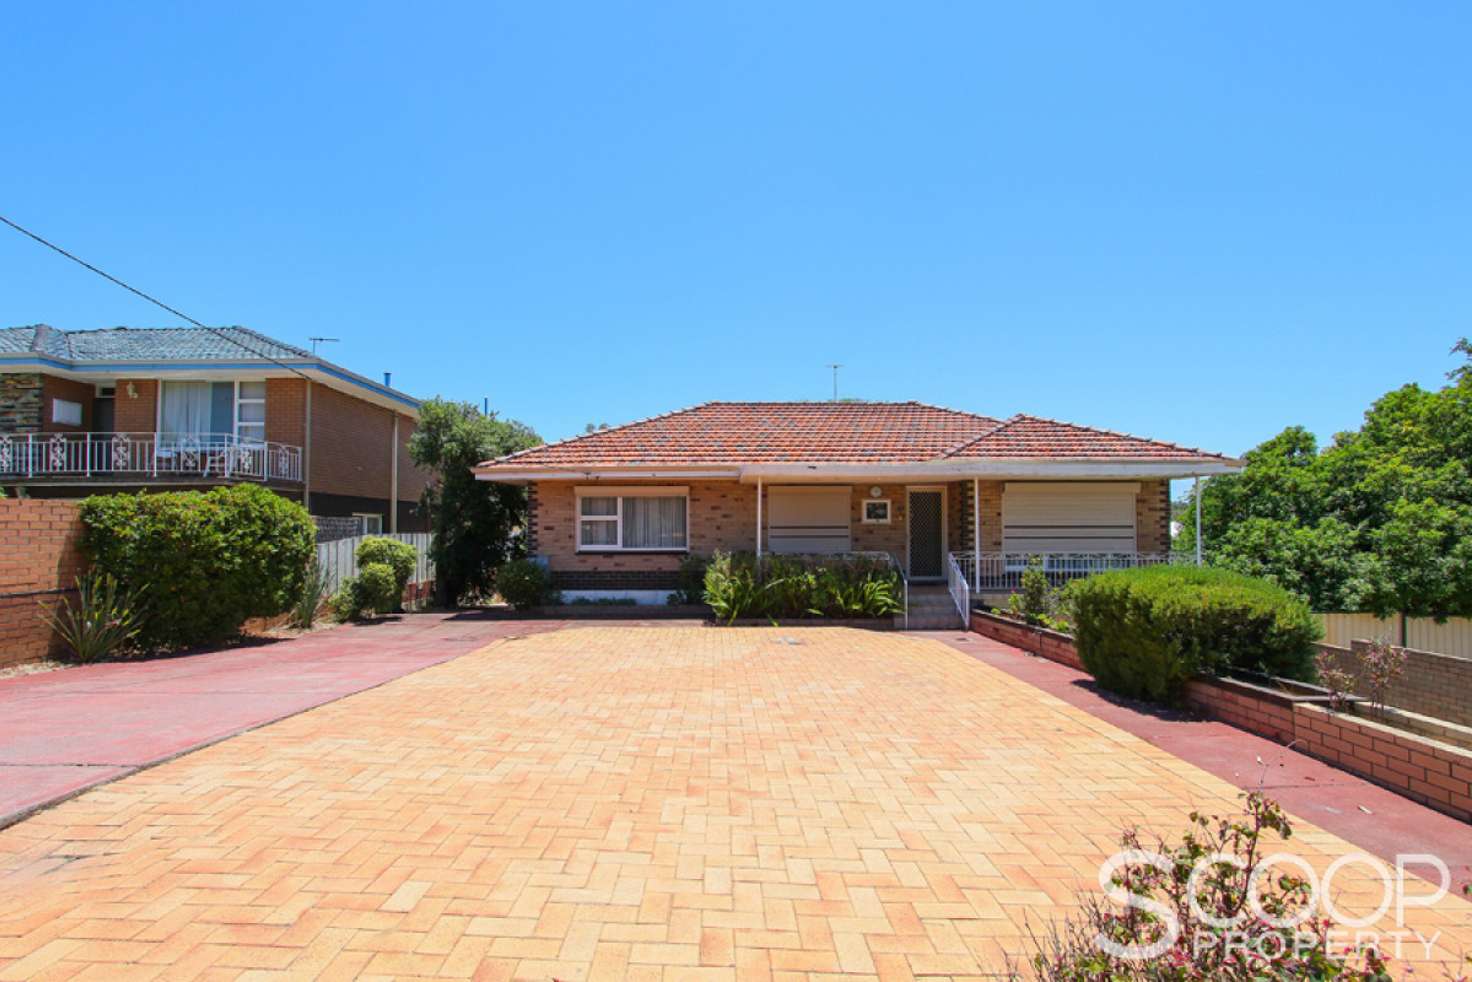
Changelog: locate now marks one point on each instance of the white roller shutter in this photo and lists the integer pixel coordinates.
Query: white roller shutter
(1068, 516)
(808, 520)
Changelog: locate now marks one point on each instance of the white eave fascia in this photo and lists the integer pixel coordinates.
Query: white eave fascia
(220, 369)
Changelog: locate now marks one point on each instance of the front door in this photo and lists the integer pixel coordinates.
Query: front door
(927, 520)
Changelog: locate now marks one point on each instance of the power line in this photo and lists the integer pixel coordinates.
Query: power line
(153, 300)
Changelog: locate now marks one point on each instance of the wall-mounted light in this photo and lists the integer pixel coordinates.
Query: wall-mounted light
(875, 491)
(132, 391)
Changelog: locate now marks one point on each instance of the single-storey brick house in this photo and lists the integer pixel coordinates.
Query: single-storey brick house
(136, 409)
(950, 496)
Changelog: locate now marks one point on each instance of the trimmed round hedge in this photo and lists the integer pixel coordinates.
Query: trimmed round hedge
(1144, 632)
(200, 562)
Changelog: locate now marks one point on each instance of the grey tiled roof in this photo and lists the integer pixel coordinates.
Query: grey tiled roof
(148, 343)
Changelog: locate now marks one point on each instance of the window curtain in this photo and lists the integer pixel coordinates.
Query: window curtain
(186, 409)
(654, 523)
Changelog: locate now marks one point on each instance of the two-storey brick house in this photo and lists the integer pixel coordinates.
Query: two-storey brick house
(128, 409)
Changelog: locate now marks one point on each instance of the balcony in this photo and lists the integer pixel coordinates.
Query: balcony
(216, 457)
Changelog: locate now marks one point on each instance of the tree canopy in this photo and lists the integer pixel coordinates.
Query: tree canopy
(1380, 520)
(474, 522)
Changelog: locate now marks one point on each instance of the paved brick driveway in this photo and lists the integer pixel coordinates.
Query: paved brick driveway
(617, 803)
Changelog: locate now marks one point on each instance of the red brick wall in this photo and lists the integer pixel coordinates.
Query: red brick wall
(1052, 645)
(722, 515)
(82, 393)
(351, 453)
(41, 559)
(1436, 774)
(1244, 706)
(137, 413)
(350, 441)
(412, 480)
(1432, 684)
(286, 411)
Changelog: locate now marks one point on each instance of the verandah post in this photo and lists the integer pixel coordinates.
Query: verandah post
(976, 534)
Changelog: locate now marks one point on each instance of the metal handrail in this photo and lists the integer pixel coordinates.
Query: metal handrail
(100, 454)
(960, 589)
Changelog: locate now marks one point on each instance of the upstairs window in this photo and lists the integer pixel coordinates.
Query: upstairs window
(632, 519)
(250, 411)
(197, 410)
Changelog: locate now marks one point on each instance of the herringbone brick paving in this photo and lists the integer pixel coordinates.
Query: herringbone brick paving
(612, 803)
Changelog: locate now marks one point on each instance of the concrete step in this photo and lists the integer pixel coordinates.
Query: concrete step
(930, 620)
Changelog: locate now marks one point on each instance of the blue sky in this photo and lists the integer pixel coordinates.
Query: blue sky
(1201, 222)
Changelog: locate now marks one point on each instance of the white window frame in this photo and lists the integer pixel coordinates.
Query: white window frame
(363, 518)
(619, 493)
(864, 511)
(242, 401)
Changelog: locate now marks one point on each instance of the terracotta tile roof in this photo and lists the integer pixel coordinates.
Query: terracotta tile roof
(769, 432)
(734, 433)
(1036, 436)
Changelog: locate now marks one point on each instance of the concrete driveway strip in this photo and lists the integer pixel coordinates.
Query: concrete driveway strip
(64, 731)
(622, 803)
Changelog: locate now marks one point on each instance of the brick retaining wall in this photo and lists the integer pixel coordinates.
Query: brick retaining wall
(1434, 773)
(40, 558)
(1433, 684)
(1040, 641)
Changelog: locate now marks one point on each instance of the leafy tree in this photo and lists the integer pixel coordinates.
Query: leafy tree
(1380, 520)
(474, 522)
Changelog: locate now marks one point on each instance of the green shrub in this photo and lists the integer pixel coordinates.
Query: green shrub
(1039, 603)
(372, 591)
(523, 583)
(690, 581)
(208, 560)
(398, 556)
(104, 619)
(739, 586)
(375, 588)
(314, 586)
(1144, 632)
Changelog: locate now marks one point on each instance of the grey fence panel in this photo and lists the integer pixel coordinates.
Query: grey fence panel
(339, 560)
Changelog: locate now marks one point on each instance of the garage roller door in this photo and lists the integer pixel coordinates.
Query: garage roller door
(1068, 517)
(808, 520)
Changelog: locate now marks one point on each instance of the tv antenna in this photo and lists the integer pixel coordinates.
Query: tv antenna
(835, 366)
(317, 341)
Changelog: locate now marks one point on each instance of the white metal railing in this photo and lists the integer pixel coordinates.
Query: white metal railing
(997, 571)
(208, 455)
(339, 559)
(960, 589)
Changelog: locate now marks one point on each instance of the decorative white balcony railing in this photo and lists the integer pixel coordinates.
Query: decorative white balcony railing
(993, 572)
(214, 456)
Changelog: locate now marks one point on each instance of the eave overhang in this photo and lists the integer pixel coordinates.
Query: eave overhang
(213, 370)
(821, 473)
